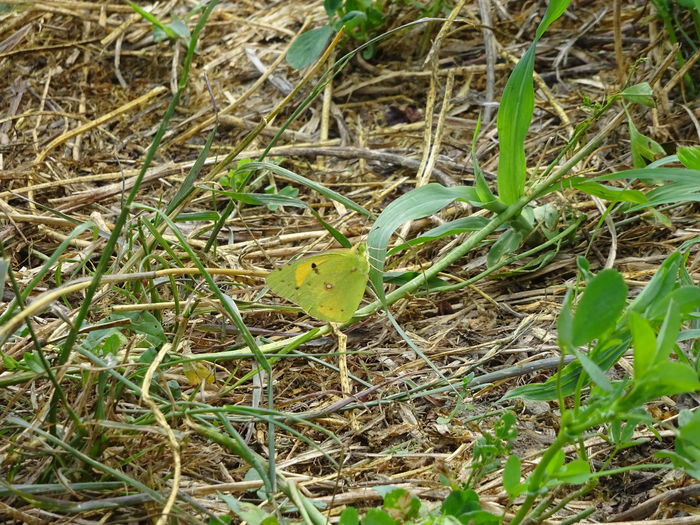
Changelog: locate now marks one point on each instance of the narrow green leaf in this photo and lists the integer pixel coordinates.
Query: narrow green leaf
(565, 321)
(689, 176)
(596, 374)
(659, 286)
(449, 229)
(668, 333)
(187, 186)
(572, 376)
(319, 188)
(415, 204)
(4, 266)
(205, 216)
(153, 20)
(555, 8)
(611, 193)
(513, 122)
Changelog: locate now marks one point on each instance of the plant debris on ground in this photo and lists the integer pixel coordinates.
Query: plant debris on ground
(159, 380)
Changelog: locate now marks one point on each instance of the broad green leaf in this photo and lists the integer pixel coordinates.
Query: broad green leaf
(565, 321)
(332, 6)
(600, 306)
(644, 343)
(690, 157)
(144, 323)
(460, 502)
(575, 472)
(639, 94)
(511, 476)
(506, 244)
(357, 5)
(353, 19)
(401, 505)
(555, 464)
(378, 517)
(349, 516)
(308, 47)
(515, 114)
(375, 18)
(666, 378)
(689, 430)
(246, 511)
(33, 362)
(643, 147)
(585, 268)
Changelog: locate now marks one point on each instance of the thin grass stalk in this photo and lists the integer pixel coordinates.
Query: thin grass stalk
(126, 207)
(234, 314)
(155, 495)
(38, 348)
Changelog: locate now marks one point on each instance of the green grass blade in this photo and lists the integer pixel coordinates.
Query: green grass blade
(514, 116)
(319, 188)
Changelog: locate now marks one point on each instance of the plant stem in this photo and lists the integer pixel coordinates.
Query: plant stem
(538, 475)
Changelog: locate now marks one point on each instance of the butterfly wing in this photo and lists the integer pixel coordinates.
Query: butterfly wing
(328, 286)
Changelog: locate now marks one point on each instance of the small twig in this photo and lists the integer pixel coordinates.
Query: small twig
(98, 121)
(648, 507)
(172, 440)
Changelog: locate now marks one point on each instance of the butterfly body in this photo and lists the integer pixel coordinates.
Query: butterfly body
(328, 286)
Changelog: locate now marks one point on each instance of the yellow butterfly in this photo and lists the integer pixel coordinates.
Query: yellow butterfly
(328, 286)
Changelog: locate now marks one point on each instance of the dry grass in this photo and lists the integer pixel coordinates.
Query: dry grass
(85, 87)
